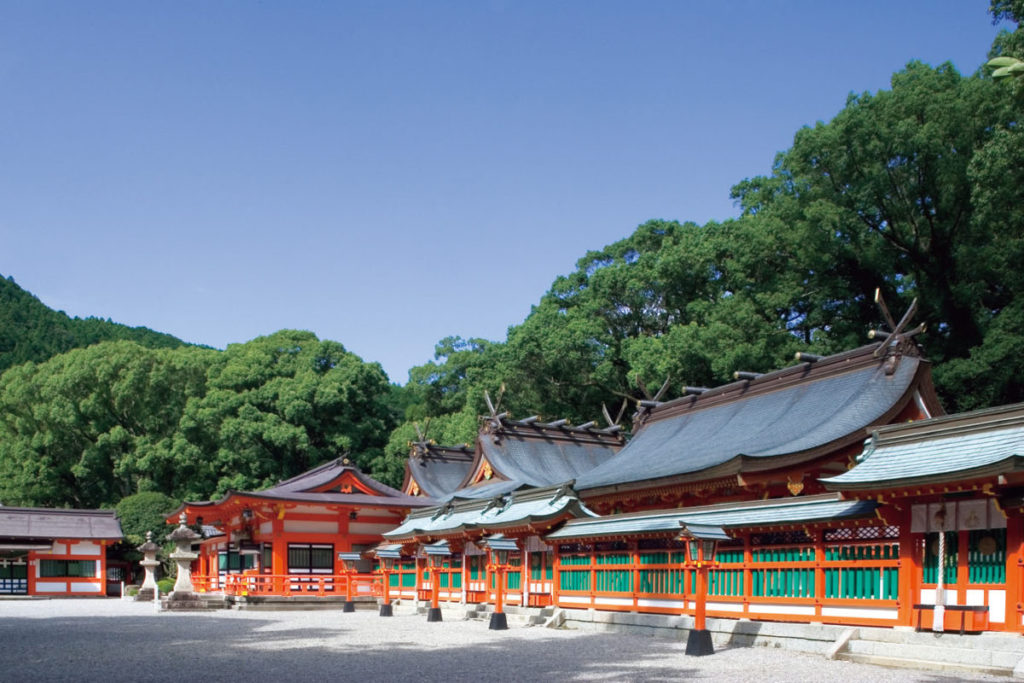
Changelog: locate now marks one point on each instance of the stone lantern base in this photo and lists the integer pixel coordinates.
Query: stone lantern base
(185, 601)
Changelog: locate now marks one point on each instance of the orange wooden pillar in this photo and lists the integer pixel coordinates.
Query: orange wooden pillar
(103, 568)
(556, 579)
(1014, 572)
(748, 574)
(634, 556)
(499, 590)
(349, 559)
(501, 550)
(819, 572)
(910, 572)
(437, 553)
(279, 558)
(32, 561)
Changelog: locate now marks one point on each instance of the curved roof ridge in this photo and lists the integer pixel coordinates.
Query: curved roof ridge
(841, 362)
(802, 414)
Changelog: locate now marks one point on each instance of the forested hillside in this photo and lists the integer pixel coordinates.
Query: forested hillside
(917, 190)
(30, 331)
(95, 425)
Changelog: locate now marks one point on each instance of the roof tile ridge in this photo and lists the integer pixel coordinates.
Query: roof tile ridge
(316, 470)
(531, 427)
(829, 366)
(96, 512)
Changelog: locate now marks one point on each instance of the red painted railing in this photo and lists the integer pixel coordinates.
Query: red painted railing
(288, 585)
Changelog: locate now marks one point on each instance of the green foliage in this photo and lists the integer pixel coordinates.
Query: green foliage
(86, 427)
(95, 425)
(144, 512)
(449, 430)
(277, 406)
(165, 585)
(1008, 42)
(915, 190)
(883, 195)
(29, 331)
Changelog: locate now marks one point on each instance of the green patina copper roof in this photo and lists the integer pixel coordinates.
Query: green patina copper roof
(503, 512)
(951, 448)
(730, 515)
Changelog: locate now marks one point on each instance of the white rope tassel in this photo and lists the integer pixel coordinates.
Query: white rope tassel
(940, 591)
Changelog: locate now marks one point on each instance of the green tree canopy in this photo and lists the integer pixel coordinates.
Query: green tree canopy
(86, 427)
(142, 512)
(275, 407)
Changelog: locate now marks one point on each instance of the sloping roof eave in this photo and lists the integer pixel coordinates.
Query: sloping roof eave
(1008, 465)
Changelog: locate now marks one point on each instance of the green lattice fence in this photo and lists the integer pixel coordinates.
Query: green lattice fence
(986, 556)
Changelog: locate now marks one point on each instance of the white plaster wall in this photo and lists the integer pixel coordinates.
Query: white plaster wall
(302, 526)
(369, 529)
(725, 606)
(85, 548)
(997, 607)
(860, 612)
(672, 604)
(805, 610)
(613, 601)
(82, 587)
(51, 586)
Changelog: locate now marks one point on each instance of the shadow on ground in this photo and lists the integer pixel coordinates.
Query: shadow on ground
(214, 648)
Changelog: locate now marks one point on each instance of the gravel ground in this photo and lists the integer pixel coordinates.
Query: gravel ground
(115, 640)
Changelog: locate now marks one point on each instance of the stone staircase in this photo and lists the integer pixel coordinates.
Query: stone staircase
(988, 653)
(517, 616)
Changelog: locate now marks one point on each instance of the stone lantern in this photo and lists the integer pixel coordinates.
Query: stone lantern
(183, 537)
(149, 563)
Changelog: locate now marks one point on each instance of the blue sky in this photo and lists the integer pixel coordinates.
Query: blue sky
(387, 174)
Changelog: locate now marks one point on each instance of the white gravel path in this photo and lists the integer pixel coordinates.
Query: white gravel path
(114, 640)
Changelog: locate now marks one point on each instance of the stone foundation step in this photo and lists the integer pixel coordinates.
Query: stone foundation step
(901, 662)
(902, 636)
(515, 614)
(944, 653)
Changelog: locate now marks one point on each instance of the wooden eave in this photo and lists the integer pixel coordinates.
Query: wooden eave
(983, 479)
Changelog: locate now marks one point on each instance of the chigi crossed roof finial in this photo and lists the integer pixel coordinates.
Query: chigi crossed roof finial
(421, 446)
(613, 425)
(495, 418)
(897, 341)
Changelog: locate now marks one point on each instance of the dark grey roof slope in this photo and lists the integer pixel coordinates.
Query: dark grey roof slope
(951, 448)
(486, 490)
(438, 470)
(323, 475)
(533, 454)
(544, 461)
(801, 411)
(48, 523)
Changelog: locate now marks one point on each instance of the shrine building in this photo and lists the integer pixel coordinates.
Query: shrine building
(825, 484)
(287, 540)
(55, 552)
